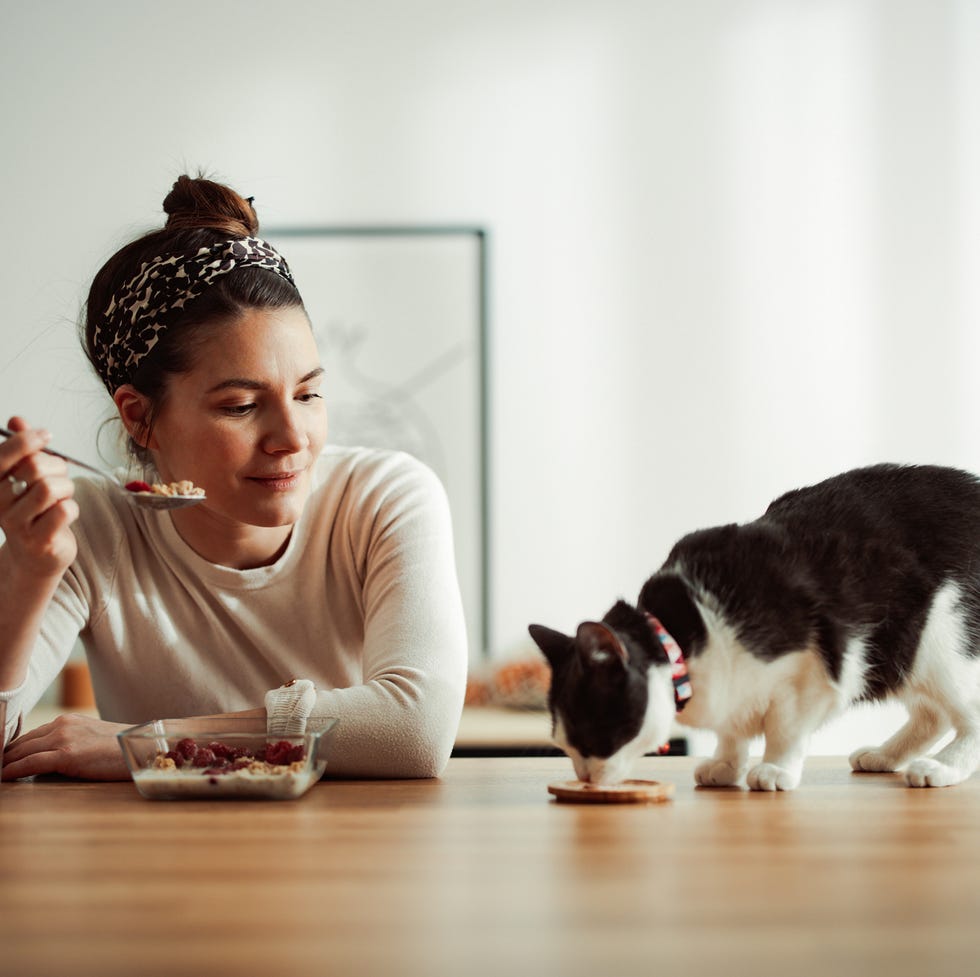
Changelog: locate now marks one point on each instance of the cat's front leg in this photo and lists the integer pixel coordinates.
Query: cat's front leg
(775, 776)
(782, 763)
(796, 709)
(727, 766)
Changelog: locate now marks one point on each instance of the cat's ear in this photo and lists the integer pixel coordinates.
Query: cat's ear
(555, 645)
(599, 646)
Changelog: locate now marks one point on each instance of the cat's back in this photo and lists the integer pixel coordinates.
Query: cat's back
(862, 553)
(857, 543)
(926, 508)
(887, 484)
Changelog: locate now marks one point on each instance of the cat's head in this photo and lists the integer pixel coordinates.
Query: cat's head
(611, 696)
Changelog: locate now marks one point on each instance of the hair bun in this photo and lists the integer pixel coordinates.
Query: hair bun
(198, 203)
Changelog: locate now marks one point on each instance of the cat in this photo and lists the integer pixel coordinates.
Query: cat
(862, 587)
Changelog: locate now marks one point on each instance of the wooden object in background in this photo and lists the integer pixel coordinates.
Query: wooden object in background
(76, 687)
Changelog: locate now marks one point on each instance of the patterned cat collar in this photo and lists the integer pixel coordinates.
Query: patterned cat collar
(678, 667)
(143, 308)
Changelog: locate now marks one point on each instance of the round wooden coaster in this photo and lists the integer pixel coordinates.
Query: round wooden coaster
(626, 792)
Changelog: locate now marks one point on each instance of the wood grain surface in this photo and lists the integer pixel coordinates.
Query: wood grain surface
(483, 872)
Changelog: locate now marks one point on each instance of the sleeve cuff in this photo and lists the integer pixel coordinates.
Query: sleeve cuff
(288, 707)
(13, 693)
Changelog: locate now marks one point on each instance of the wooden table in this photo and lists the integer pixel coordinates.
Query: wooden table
(482, 873)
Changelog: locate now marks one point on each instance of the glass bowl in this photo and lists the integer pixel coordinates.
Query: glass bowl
(174, 759)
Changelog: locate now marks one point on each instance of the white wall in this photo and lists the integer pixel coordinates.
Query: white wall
(734, 242)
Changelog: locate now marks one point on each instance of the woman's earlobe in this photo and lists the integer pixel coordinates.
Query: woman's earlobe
(134, 409)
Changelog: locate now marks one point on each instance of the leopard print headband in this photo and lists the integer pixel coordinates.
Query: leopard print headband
(143, 308)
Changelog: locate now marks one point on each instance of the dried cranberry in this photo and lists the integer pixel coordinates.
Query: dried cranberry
(273, 752)
(226, 752)
(186, 748)
(204, 757)
(138, 486)
(283, 753)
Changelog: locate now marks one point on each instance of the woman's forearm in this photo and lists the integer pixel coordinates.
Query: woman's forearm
(39, 545)
(24, 599)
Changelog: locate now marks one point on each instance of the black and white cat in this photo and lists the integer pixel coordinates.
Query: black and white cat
(862, 587)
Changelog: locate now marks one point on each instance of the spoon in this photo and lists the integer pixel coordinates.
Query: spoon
(149, 500)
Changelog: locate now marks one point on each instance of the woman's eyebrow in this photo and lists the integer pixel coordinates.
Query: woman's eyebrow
(244, 383)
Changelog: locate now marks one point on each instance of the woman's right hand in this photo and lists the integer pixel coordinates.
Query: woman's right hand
(36, 519)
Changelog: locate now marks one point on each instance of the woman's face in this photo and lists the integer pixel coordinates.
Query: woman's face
(246, 424)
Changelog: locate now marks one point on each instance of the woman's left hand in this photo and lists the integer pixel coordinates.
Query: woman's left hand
(73, 745)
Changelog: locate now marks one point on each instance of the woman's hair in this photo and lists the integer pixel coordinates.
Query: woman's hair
(201, 214)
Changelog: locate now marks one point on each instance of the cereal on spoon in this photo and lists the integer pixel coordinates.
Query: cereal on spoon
(182, 489)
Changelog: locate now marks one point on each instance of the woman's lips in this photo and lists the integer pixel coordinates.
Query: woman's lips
(281, 482)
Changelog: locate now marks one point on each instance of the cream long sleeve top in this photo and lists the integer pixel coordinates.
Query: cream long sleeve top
(364, 601)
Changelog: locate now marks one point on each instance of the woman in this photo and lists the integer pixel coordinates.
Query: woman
(331, 565)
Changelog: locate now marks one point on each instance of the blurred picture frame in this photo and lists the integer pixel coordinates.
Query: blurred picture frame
(400, 318)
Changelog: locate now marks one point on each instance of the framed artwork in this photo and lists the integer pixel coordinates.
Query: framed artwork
(400, 318)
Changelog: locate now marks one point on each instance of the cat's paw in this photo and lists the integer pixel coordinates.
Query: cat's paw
(769, 776)
(717, 773)
(870, 759)
(932, 773)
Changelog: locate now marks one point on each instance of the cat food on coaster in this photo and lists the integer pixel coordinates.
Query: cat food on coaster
(183, 489)
(625, 792)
